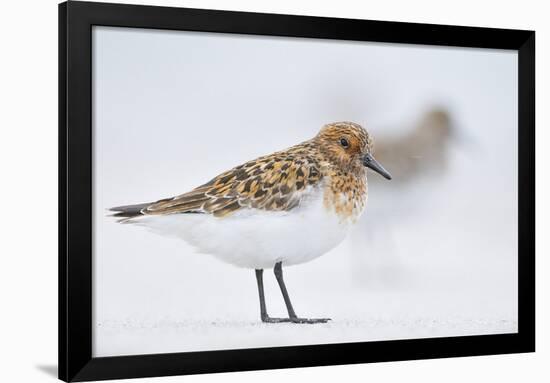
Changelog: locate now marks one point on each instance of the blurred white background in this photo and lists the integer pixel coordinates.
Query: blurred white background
(435, 254)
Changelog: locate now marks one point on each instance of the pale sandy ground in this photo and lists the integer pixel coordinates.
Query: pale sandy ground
(371, 318)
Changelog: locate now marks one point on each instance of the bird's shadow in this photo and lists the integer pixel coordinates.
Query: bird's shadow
(48, 369)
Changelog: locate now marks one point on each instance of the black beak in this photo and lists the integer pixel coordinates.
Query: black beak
(370, 162)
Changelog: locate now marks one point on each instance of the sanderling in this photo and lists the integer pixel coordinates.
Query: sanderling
(285, 208)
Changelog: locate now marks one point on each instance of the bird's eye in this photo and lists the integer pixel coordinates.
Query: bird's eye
(344, 142)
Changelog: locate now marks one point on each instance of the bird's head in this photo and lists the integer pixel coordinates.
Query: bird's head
(349, 146)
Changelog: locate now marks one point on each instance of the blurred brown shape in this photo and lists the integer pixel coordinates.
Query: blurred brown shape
(421, 151)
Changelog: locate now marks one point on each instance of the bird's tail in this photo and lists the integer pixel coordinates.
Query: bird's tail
(129, 211)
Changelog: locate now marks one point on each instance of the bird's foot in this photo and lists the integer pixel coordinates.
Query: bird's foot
(309, 320)
(268, 319)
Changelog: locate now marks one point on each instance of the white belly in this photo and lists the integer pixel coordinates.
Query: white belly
(257, 239)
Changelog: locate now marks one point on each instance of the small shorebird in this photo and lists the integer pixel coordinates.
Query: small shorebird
(285, 208)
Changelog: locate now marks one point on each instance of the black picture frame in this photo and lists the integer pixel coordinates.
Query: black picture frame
(75, 190)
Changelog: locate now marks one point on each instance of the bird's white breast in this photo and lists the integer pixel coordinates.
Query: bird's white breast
(258, 239)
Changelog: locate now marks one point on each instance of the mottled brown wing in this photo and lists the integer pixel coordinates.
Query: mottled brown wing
(274, 183)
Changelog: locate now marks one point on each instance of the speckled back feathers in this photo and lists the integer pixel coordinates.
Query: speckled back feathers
(280, 181)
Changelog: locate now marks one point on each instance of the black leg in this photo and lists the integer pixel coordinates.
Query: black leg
(278, 270)
(260, 280)
(263, 311)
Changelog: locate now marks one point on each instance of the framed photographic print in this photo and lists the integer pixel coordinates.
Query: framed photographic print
(245, 191)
